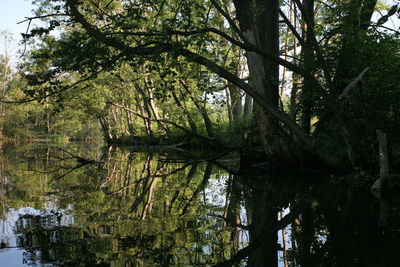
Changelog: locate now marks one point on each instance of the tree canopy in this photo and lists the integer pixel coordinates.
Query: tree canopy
(162, 69)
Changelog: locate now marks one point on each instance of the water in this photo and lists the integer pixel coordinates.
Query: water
(127, 208)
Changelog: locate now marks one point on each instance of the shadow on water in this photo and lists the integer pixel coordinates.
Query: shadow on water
(126, 208)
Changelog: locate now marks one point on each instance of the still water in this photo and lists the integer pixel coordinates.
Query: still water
(129, 208)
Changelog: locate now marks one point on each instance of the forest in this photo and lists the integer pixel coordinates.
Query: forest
(288, 79)
(300, 84)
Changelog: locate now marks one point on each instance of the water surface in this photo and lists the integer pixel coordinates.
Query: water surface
(129, 208)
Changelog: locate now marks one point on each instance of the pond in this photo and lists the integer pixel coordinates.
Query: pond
(125, 207)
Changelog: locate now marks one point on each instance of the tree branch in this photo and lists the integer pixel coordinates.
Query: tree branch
(52, 93)
(317, 49)
(292, 28)
(177, 49)
(229, 19)
(346, 90)
(161, 120)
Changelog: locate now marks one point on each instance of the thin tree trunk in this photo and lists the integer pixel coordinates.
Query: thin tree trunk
(185, 111)
(235, 92)
(286, 54)
(236, 102)
(143, 110)
(294, 95)
(379, 186)
(48, 116)
(308, 55)
(154, 108)
(4, 81)
(129, 121)
(203, 112)
(248, 106)
(106, 128)
(228, 103)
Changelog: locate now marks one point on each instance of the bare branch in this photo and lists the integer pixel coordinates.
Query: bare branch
(346, 90)
(314, 41)
(292, 28)
(229, 19)
(42, 17)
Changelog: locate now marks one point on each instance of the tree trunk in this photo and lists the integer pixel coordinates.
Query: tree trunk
(207, 121)
(294, 94)
(379, 185)
(259, 24)
(48, 117)
(236, 102)
(146, 118)
(248, 106)
(356, 131)
(129, 121)
(228, 103)
(106, 128)
(185, 111)
(4, 81)
(287, 35)
(235, 92)
(308, 55)
(153, 106)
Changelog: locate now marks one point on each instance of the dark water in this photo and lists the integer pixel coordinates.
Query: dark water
(130, 208)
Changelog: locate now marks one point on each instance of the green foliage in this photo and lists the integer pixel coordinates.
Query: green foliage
(349, 48)
(240, 134)
(146, 210)
(156, 72)
(112, 96)
(32, 120)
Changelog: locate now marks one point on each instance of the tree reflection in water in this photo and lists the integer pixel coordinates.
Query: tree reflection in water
(144, 209)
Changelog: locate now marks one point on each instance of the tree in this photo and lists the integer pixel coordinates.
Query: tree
(5, 72)
(108, 34)
(259, 26)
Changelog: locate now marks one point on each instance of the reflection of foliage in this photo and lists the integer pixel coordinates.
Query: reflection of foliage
(144, 209)
(136, 208)
(57, 244)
